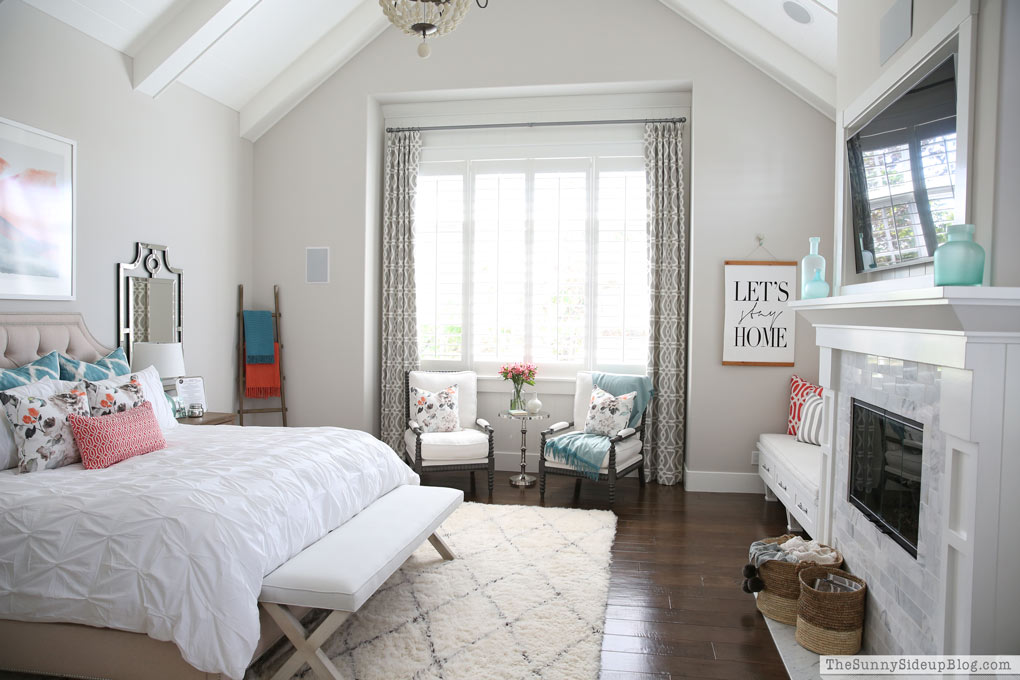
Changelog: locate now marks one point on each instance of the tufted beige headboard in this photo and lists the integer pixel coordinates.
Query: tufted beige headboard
(26, 337)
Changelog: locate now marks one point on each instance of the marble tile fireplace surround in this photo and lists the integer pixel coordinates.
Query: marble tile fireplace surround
(949, 359)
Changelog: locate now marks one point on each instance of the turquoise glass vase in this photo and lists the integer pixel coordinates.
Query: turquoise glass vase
(959, 261)
(815, 288)
(809, 265)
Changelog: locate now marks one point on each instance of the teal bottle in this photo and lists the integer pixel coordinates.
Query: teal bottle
(816, 288)
(959, 261)
(808, 264)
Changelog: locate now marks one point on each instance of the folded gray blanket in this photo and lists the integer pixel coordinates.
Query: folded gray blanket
(762, 552)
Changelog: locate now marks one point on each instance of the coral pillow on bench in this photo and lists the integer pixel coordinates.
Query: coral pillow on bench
(105, 440)
(800, 390)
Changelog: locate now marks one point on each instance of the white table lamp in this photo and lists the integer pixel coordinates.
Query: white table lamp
(166, 357)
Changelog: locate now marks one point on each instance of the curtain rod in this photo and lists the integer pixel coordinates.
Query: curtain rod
(481, 126)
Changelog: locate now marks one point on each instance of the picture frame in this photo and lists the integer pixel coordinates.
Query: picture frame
(759, 329)
(191, 390)
(37, 214)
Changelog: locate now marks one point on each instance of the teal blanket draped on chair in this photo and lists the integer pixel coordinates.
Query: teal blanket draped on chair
(585, 452)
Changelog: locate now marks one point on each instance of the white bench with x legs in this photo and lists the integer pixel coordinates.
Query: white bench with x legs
(344, 568)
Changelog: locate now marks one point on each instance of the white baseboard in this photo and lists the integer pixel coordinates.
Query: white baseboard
(722, 482)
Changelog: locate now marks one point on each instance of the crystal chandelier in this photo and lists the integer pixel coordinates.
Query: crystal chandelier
(427, 17)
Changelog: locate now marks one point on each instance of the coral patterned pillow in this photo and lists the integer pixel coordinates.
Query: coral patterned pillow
(436, 411)
(607, 415)
(41, 427)
(800, 390)
(105, 440)
(104, 400)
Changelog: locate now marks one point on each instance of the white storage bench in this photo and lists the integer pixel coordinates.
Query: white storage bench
(792, 472)
(345, 567)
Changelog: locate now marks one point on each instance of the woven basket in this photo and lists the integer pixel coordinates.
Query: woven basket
(829, 623)
(778, 600)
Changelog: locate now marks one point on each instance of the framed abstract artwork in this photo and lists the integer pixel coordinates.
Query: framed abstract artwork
(37, 230)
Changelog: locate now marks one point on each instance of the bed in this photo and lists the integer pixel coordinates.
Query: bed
(153, 567)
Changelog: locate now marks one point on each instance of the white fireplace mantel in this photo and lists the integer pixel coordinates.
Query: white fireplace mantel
(973, 334)
(929, 325)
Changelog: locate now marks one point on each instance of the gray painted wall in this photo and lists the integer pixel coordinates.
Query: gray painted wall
(762, 161)
(171, 170)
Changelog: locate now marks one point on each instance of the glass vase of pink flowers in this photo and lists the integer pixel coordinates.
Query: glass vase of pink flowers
(520, 374)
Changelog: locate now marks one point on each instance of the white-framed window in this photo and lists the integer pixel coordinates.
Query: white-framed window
(540, 257)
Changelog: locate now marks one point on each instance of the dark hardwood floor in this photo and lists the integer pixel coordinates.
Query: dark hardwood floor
(675, 609)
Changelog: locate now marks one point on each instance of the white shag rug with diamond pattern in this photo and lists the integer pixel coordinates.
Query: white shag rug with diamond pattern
(526, 598)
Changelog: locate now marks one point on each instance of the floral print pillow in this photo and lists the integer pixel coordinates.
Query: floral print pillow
(41, 428)
(607, 415)
(436, 411)
(105, 400)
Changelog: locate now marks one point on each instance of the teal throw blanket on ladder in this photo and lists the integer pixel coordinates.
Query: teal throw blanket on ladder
(258, 337)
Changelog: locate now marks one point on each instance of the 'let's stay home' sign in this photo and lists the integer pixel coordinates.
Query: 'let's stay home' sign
(758, 326)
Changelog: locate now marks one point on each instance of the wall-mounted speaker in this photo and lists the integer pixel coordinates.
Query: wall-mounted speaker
(317, 265)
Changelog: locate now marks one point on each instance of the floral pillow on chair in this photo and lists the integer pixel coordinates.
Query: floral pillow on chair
(607, 414)
(41, 428)
(436, 411)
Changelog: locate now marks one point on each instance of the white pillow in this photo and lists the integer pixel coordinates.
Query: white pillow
(436, 411)
(40, 388)
(153, 388)
(607, 415)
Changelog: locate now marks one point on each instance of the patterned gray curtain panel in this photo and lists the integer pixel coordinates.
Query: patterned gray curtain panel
(399, 322)
(667, 278)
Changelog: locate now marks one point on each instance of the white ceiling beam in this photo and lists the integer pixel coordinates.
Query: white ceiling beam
(311, 69)
(764, 51)
(183, 39)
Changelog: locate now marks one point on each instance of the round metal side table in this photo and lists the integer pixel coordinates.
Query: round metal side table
(523, 480)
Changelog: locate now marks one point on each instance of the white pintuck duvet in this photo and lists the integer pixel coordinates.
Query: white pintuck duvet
(176, 543)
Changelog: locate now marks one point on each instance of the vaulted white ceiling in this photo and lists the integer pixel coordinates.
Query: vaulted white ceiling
(262, 57)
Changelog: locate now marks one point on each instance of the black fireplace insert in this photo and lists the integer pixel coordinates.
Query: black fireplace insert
(886, 463)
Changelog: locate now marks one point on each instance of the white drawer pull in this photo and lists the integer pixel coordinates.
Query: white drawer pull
(802, 508)
(781, 485)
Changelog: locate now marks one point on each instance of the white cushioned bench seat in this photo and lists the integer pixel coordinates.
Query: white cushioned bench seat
(801, 459)
(344, 568)
(792, 472)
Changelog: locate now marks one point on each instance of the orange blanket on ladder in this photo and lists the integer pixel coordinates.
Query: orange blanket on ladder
(262, 381)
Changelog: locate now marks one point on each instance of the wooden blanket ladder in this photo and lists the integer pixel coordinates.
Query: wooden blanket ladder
(241, 383)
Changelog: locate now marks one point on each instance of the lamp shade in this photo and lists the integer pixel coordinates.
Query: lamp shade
(166, 357)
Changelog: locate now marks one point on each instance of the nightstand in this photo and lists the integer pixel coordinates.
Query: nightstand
(210, 418)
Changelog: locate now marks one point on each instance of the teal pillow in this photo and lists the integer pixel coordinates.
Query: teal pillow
(43, 367)
(113, 364)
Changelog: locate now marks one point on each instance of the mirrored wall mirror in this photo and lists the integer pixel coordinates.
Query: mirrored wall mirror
(901, 166)
(149, 299)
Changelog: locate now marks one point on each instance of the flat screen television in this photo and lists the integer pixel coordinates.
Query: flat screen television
(902, 171)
